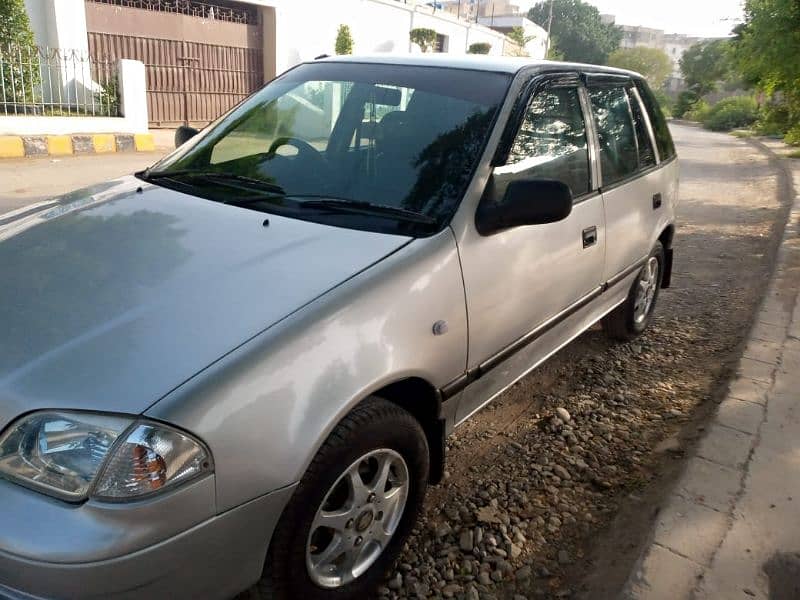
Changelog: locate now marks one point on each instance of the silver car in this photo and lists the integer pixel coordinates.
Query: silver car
(239, 367)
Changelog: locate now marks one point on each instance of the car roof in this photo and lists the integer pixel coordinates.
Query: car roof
(476, 62)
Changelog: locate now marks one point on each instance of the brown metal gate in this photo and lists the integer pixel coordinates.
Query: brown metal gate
(188, 81)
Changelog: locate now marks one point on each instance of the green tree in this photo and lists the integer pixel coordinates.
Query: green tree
(766, 50)
(517, 35)
(582, 36)
(344, 40)
(553, 53)
(479, 48)
(653, 63)
(705, 65)
(19, 57)
(423, 37)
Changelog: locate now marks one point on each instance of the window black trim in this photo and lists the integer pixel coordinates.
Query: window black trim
(637, 174)
(587, 196)
(462, 381)
(538, 82)
(533, 86)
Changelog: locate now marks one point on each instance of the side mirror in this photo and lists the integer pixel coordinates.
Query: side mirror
(525, 202)
(183, 134)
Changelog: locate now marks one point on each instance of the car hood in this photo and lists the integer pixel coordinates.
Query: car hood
(112, 296)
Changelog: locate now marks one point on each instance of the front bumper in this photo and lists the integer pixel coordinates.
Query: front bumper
(52, 550)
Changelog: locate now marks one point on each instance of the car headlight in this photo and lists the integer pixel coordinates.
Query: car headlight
(77, 455)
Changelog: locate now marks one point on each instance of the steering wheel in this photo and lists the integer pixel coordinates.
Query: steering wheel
(303, 148)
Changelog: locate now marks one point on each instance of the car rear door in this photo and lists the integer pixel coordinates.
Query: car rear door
(631, 183)
(519, 278)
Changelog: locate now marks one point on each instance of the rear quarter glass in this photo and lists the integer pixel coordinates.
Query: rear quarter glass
(666, 148)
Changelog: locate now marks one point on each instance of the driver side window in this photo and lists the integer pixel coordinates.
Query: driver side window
(551, 141)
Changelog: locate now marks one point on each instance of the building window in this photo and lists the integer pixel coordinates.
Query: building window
(442, 42)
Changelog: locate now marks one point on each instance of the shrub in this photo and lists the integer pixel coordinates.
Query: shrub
(731, 113)
(664, 101)
(423, 37)
(684, 103)
(479, 48)
(774, 119)
(698, 111)
(16, 40)
(793, 136)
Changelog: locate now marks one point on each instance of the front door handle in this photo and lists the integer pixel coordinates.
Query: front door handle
(656, 201)
(589, 236)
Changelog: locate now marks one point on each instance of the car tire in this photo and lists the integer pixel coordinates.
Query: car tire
(630, 318)
(375, 434)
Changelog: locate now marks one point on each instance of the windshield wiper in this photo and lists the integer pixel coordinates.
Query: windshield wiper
(252, 182)
(358, 206)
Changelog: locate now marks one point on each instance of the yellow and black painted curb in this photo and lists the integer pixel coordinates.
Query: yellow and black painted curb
(19, 146)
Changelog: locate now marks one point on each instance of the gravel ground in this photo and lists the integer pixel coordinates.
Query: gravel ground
(551, 489)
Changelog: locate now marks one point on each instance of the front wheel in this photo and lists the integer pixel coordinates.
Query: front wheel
(631, 317)
(352, 510)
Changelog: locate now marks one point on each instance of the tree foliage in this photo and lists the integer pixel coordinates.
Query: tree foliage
(344, 40)
(731, 113)
(424, 38)
(653, 63)
(582, 36)
(17, 46)
(517, 35)
(705, 65)
(766, 50)
(479, 48)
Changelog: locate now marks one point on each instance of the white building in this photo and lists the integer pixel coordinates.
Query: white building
(536, 46)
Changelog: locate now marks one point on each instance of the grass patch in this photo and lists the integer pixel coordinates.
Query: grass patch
(794, 153)
(742, 133)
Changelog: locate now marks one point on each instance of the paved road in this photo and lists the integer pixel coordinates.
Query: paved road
(28, 180)
(729, 529)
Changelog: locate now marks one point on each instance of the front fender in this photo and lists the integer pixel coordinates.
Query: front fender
(266, 408)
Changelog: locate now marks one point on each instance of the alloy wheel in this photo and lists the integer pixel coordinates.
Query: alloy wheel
(646, 290)
(357, 518)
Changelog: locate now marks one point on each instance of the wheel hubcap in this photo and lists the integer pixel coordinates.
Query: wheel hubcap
(357, 518)
(646, 290)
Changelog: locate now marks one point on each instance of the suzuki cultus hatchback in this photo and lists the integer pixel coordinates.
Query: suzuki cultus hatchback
(239, 366)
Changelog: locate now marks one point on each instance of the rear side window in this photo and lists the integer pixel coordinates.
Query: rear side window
(666, 149)
(616, 135)
(647, 157)
(551, 141)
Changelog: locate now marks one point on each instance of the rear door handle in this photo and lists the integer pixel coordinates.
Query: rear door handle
(589, 236)
(656, 201)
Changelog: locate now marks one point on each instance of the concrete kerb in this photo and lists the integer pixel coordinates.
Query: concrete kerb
(697, 516)
(15, 146)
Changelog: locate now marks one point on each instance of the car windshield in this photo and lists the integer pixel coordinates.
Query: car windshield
(370, 146)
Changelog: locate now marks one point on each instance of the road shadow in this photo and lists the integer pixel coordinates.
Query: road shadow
(783, 570)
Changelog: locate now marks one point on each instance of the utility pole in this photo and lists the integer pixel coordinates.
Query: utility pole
(549, 25)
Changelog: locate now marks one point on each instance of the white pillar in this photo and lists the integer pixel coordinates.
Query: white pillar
(133, 94)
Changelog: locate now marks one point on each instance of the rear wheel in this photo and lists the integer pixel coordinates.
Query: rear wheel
(352, 510)
(631, 317)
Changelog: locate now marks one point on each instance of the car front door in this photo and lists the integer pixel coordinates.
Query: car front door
(517, 279)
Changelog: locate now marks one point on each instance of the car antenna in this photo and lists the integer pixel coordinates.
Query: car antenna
(322, 56)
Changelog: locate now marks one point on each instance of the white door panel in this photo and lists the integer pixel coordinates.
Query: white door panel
(518, 278)
(631, 221)
(522, 279)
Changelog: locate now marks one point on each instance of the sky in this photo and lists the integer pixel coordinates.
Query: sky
(704, 18)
